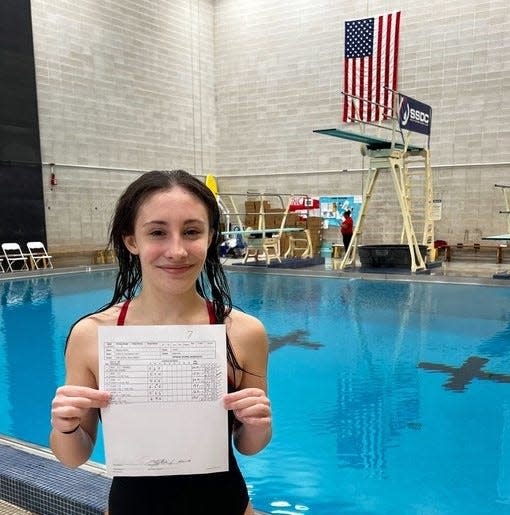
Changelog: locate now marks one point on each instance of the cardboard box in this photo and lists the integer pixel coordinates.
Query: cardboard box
(251, 221)
(272, 221)
(266, 206)
(314, 222)
(291, 220)
(249, 207)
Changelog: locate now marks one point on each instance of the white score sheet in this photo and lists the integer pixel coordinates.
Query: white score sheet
(166, 414)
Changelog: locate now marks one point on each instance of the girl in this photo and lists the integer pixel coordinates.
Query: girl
(165, 233)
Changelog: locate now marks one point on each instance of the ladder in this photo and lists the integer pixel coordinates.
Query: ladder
(418, 189)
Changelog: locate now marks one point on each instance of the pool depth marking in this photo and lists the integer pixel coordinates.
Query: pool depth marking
(298, 338)
(463, 375)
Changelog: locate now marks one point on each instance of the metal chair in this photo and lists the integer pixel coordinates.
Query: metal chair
(39, 254)
(13, 254)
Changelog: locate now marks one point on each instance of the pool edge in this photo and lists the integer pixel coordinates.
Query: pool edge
(33, 479)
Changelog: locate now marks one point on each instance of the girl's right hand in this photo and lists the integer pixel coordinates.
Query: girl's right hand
(71, 403)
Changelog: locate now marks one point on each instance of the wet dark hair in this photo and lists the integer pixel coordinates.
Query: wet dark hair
(347, 213)
(212, 282)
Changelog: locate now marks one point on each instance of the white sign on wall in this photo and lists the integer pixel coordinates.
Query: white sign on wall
(437, 209)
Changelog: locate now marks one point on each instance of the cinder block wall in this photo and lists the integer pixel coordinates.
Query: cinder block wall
(123, 86)
(454, 56)
(235, 88)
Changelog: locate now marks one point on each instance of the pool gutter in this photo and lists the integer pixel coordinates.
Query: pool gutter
(32, 478)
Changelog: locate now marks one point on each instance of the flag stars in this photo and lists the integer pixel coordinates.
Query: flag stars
(359, 38)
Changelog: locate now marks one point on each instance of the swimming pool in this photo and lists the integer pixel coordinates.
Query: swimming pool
(388, 397)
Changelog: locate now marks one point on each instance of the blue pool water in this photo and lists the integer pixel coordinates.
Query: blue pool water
(389, 397)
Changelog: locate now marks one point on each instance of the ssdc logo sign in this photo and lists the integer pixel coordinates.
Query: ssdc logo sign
(414, 116)
(405, 112)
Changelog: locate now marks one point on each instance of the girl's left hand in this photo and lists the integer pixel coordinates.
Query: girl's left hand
(250, 406)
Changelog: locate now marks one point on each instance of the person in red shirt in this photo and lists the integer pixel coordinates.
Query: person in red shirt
(346, 229)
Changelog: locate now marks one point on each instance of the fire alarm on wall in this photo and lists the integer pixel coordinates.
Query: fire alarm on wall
(53, 177)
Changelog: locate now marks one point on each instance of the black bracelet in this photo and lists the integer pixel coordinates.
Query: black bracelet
(72, 431)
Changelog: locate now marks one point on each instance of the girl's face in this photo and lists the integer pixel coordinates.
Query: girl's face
(171, 237)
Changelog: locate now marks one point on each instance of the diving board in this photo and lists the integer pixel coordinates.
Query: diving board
(498, 237)
(372, 142)
(262, 232)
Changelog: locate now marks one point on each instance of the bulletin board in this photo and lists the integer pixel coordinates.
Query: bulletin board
(333, 207)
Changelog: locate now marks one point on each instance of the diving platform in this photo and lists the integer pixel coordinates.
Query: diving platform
(372, 142)
(396, 155)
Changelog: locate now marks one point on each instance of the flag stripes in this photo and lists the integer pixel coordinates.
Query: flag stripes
(370, 64)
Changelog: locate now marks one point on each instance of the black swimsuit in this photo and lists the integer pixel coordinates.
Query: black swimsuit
(194, 494)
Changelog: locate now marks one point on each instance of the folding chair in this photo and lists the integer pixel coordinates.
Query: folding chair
(13, 254)
(39, 254)
(1, 266)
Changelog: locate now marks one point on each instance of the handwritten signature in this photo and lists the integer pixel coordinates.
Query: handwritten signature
(157, 462)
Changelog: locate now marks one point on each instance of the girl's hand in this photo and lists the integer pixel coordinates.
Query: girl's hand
(71, 403)
(250, 406)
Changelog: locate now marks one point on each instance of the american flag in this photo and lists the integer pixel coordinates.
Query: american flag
(370, 63)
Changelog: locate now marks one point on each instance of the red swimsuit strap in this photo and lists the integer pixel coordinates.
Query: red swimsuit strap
(123, 312)
(212, 314)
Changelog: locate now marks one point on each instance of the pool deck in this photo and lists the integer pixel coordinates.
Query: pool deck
(472, 271)
(468, 271)
(9, 509)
